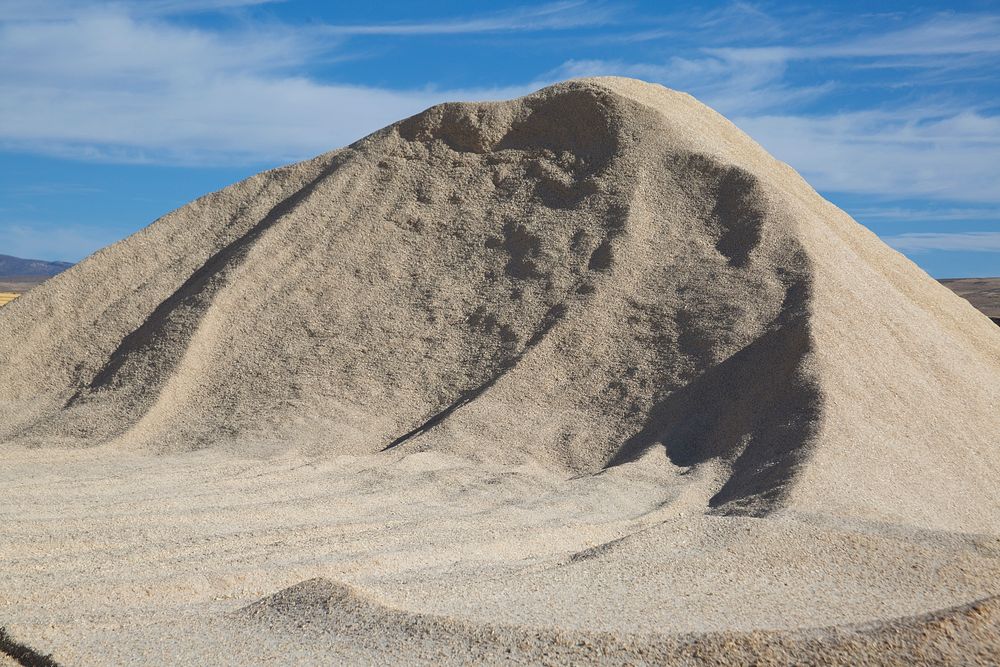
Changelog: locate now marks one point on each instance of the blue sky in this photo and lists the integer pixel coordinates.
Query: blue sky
(113, 113)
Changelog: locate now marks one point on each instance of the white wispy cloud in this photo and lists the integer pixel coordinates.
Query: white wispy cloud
(964, 241)
(121, 81)
(61, 10)
(738, 79)
(943, 34)
(949, 149)
(553, 16)
(116, 81)
(932, 151)
(923, 44)
(109, 86)
(908, 152)
(736, 20)
(750, 83)
(926, 213)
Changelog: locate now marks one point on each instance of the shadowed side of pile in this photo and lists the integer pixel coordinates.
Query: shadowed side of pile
(320, 609)
(906, 374)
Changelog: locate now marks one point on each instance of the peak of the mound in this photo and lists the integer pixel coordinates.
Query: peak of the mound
(581, 276)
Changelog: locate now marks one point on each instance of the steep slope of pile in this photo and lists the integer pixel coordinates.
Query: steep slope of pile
(581, 276)
(982, 293)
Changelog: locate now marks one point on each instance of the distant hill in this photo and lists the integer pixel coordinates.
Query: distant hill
(983, 293)
(15, 266)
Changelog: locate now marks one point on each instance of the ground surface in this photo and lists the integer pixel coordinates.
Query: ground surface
(206, 557)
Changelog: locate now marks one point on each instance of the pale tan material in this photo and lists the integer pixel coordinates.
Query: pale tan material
(589, 360)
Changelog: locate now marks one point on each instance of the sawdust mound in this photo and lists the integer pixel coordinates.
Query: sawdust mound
(595, 272)
(341, 619)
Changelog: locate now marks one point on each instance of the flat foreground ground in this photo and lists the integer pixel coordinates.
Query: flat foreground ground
(110, 557)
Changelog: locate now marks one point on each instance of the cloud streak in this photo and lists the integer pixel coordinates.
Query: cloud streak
(121, 82)
(944, 34)
(62, 10)
(881, 108)
(945, 147)
(908, 152)
(963, 242)
(554, 16)
(111, 87)
(733, 85)
(927, 213)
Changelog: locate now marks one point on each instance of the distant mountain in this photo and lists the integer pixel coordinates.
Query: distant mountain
(15, 266)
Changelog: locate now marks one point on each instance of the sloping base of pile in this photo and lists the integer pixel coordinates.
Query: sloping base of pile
(318, 612)
(968, 634)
